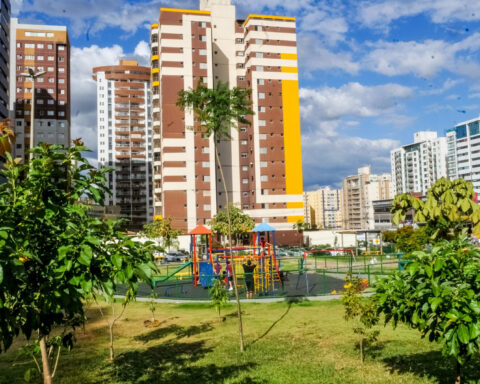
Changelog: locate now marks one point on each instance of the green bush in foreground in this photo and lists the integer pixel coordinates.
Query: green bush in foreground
(438, 294)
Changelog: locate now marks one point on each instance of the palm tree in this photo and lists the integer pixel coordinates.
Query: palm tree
(217, 111)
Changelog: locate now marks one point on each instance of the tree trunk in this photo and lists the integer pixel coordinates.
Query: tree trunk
(110, 328)
(235, 289)
(47, 377)
(459, 374)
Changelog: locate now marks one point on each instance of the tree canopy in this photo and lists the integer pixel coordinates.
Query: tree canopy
(448, 211)
(162, 228)
(241, 223)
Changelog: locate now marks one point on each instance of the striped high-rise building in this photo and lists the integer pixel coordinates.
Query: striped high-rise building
(42, 49)
(125, 138)
(262, 162)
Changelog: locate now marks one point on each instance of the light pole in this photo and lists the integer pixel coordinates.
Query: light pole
(33, 76)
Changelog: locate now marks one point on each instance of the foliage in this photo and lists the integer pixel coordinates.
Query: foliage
(361, 311)
(438, 294)
(301, 226)
(52, 254)
(218, 295)
(7, 137)
(152, 305)
(162, 228)
(448, 211)
(407, 239)
(241, 223)
(216, 112)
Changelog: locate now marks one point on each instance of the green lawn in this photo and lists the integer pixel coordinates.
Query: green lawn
(306, 342)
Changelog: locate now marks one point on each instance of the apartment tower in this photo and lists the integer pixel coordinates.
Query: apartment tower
(4, 57)
(326, 208)
(262, 162)
(125, 138)
(415, 167)
(41, 48)
(463, 152)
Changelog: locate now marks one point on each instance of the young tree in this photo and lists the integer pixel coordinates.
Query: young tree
(217, 111)
(241, 223)
(162, 228)
(448, 211)
(52, 254)
(218, 295)
(438, 294)
(407, 239)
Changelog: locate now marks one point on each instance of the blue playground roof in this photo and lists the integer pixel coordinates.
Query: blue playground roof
(263, 227)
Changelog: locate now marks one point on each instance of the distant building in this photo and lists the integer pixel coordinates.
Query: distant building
(359, 192)
(4, 58)
(463, 154)
(41, 48)
(415, 167)
(325, 208)
(125, 138)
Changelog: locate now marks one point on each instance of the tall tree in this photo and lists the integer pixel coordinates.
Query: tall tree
(52, 254)
(241, 223)
(217, 111)
(162, 228)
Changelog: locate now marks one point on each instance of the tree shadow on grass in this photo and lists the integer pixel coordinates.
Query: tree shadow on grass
(175, 329)
(172, 362)
(433, 364)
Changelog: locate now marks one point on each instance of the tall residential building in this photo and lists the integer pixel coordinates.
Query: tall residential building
(463, 156)
(42, 48)
(125, 138)
(4, 57)
(326, 208)
(262, 163)
(359, 192)
(415, 167)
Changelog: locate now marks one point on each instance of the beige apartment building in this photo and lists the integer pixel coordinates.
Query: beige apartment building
(325, 208)
(359, 192)
(44, 49)
(262, 163)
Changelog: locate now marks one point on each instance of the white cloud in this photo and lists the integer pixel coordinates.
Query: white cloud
(381, 14)
(142, 53)
(423, 59)
(352, 99)
(331, 28)
(315, 56)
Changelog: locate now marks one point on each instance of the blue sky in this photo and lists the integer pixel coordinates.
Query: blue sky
(371, 72)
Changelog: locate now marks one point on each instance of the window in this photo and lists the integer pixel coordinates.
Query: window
(261, 95)
(50, 46)
(264, 178)
(19, 57)
(61, 47)
(39, 57)
(202, 38)
(263, 164)
(206, 207)
(61, 81)
(50, 90)
(258, 28)
(243, 129)
(35, 34)
(263, 150)
(203, 66)
(51, 80)
(244, 155)
(61, 113)
(260, 68)
(205, 164)
(19, 45)
(29, 57)
(261, 123)
(203, 52)
(50, 69)
(205, 150)
(61, 70)
(29, 45)
(51, 58)
(239, 53)
(50, 113)
(244, 142)
(206, 178)
(61, 102)
(259, 55)
(61, 59)
(244, 168)
(40, 46)
(62, 92)
(261, 109)
(39, 101)
(259, 41)
(244, 181)
(261, 81)
(263, 136)
(245, 194)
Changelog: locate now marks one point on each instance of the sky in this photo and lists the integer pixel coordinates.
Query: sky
(371, 73)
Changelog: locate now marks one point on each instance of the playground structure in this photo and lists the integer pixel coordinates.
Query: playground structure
(315, 272)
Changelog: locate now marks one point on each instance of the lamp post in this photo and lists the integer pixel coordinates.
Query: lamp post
(32, 76)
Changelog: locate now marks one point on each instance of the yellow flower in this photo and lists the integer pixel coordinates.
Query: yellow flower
(23, 259)
(346, 286)
(334, 292)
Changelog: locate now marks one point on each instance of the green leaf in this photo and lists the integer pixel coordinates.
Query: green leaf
(63, 250)
(415, 317)
(463, 334)
(1, 274)
(117, 260)
(474, 330)
(435, 303)
(475, 307)
(3, 234)
(86, 254)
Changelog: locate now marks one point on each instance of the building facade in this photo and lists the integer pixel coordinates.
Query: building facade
(415, 167)
(359, 192)
(325, 208)
(463, 155)
(125, 138)
(262, 162)
(4, 57)
(41, 48)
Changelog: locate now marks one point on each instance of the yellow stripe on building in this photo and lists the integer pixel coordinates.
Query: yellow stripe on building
(292, 143)
(156, 84)
(290, 69)
(154, 26)
(155, 70)
(294, 219)
(154, 57)
(184, 10)
(288, 56)
(268, 17)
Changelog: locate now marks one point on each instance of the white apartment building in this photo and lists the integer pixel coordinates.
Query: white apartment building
(463, 152)
(324, 208)
(125, 138)
(415, 167)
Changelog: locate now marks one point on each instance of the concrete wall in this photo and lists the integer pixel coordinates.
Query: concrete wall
(328, 237)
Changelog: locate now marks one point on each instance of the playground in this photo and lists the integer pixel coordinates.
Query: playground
(314, 273)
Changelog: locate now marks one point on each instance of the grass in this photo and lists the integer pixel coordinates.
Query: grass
(303, 342)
